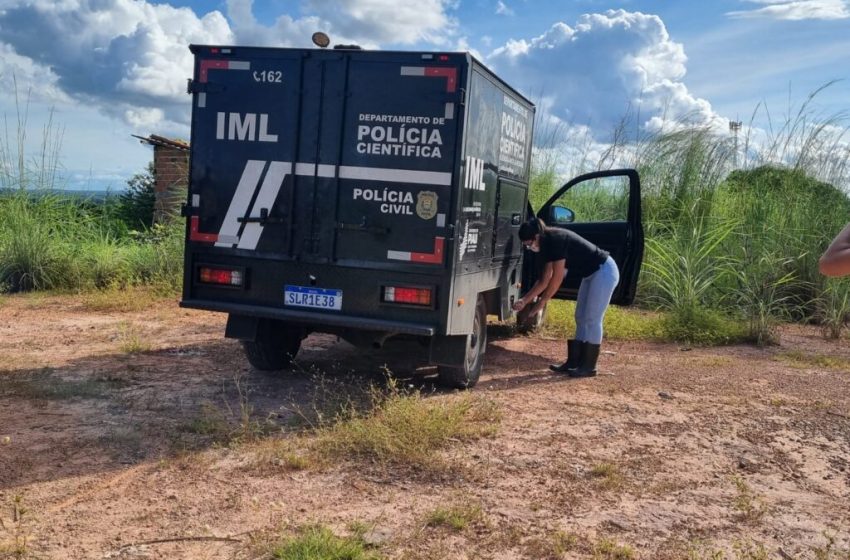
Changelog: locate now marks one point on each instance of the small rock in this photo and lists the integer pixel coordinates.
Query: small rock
(665, 395)
(619, 524)
(747, 464)
(376, 537)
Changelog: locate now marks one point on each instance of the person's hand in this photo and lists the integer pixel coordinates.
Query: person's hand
(538, 308)
(519, 304)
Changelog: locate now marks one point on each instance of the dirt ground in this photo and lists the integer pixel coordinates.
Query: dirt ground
(672, 453)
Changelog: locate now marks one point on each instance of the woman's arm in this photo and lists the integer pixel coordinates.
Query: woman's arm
(538, 287)
(557, 277)
(836, 259)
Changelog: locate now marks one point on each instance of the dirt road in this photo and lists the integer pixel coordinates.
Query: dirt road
(108, 421)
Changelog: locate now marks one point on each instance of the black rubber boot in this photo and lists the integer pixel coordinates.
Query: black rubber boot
(587, 364)
(573, 357)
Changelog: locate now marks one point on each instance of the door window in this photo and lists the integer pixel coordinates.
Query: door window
(603, 199)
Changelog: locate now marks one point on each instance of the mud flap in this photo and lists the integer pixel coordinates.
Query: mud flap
(242, 327)
(448, 350)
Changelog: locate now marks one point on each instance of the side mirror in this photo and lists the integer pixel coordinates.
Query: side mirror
(561, 215)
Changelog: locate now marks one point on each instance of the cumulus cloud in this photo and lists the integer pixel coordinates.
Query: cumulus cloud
(127, 57)
(402, 22)
(604, 67)
(796, 10)
(286, 31)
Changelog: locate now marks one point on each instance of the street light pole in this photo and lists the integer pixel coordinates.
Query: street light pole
(734, 127)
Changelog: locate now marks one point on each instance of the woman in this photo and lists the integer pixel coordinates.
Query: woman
(562, 249)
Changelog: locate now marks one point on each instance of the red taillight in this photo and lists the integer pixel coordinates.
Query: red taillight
(443, 57)
(412, 296)
(223, 276)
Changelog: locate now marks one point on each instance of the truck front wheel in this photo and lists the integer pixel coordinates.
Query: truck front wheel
(275, 347)
(466, 375)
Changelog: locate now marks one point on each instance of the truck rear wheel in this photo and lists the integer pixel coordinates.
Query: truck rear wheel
(466, 375)
(276, 346)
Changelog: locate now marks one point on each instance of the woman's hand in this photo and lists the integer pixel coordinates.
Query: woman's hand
(519, 304)
(538, 307)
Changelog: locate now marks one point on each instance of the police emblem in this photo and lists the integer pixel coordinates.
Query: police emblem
(426, 204)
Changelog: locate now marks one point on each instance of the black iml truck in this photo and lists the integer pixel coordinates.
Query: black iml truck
(368, 194)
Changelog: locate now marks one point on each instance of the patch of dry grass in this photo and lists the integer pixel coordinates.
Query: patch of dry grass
(131, 340)
(407, 429)
(126, 299)
(47, 385)
(455, 517)
(747, 502)
(14, 534)
(606, 476)
(804, 360)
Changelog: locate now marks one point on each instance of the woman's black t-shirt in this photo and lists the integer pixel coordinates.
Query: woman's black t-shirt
(583, 257)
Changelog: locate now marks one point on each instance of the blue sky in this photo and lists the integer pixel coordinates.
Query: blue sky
(112, 68)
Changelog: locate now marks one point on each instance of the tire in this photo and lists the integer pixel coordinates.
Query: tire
(466, 375)
(526, 325)
(276, 346)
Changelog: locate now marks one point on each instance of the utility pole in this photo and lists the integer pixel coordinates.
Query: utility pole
(734, 127)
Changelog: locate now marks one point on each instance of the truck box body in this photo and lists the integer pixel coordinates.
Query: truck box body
(321, 179)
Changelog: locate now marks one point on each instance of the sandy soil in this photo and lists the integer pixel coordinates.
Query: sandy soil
(672, 451)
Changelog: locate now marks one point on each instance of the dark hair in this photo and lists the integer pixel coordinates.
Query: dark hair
(529, 229)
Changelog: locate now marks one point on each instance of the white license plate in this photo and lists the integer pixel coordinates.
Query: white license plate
(314, 298)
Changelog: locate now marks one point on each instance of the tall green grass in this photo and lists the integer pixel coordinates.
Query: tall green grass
(50, 239)
(731, 246)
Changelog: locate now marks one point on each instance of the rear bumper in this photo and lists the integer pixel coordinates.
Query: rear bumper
(310, 318)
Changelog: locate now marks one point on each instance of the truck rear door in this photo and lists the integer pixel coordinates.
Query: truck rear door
(604, 208)
(324, 156)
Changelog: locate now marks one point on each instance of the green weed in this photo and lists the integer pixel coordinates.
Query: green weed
(607, 549)
(320, 543)
(606, 475)
(749, 505)
(407, 429)
(455, 517)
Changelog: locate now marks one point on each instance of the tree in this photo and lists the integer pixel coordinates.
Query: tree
(137, 202)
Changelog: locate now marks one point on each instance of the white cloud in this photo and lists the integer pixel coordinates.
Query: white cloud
(604, 67)
(503, 10)
(284, 32)
(403, 22)
(796, 10)
(30, 80)
(127, 57)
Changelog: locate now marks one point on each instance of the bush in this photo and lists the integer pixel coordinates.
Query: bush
(701, 326)
(136, 204)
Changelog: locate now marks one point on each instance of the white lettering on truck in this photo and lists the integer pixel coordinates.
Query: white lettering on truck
(393, 202)
(474, 174)
(243, 127)
(399, 141)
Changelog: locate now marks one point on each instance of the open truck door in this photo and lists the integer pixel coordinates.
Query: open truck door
(604, 208)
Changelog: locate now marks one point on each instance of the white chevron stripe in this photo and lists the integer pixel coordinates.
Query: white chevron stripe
(241, 199)
(278, 170)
